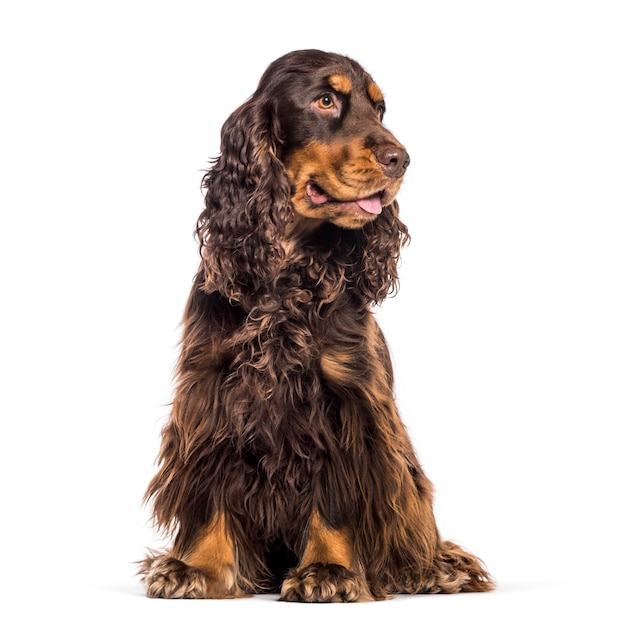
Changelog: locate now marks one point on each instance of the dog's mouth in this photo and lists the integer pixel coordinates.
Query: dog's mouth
(370, 204)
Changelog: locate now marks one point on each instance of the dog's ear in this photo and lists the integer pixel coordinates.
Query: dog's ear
(376, 275)
(247, 206)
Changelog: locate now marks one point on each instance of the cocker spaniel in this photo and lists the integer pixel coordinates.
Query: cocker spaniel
(285, 467)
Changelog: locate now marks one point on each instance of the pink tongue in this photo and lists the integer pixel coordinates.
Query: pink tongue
(371, 205)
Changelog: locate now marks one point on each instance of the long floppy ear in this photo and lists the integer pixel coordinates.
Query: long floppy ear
(380, 247)
(247, 200)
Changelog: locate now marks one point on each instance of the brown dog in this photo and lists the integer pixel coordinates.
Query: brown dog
(285, 466)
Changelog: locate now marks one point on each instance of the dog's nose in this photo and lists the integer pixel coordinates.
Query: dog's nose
(393, 160)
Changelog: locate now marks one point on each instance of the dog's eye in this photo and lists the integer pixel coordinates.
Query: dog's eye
(325, 102)
(381, 109)
(328, 105)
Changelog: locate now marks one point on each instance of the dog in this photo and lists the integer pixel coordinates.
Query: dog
(285, 466)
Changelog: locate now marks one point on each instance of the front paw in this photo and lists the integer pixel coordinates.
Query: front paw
(167, 577)
(324, 583)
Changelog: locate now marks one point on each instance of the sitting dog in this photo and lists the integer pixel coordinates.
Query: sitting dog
(285, 467)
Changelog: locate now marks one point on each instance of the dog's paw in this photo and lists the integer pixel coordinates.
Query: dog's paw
(458, 570)
(324, 583)
(167, 577)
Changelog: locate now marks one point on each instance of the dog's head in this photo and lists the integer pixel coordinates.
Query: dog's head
(344, 165)
(308, 149)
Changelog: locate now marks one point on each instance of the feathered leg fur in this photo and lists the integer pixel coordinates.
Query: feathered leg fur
(355, 518)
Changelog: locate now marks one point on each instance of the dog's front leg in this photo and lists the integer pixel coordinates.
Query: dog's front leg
(205, 570)
(328, 570)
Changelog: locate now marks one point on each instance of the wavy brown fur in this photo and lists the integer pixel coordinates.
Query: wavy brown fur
(285, 465)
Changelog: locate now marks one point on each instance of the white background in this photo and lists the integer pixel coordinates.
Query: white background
(507, 334)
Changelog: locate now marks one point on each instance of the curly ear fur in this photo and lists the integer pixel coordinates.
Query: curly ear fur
(378, 274)
(247, 204)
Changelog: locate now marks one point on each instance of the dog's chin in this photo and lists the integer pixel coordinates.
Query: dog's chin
(319, 207)
(347, 215)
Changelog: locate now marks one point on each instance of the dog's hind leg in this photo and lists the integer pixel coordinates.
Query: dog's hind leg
(456, 570)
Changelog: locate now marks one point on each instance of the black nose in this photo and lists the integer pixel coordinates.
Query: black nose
(393, 160)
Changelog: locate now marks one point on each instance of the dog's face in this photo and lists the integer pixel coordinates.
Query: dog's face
(344, 165)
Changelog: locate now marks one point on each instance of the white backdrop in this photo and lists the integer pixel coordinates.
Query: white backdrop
(507, 334)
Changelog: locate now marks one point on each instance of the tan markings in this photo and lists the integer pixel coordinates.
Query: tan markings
(344, 170)
(374, 92)
(340, 83)
(327, 571)
(327, 545)
(213, 553)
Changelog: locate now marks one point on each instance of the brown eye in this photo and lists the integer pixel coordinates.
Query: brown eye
(326, 102)
(381, 109)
